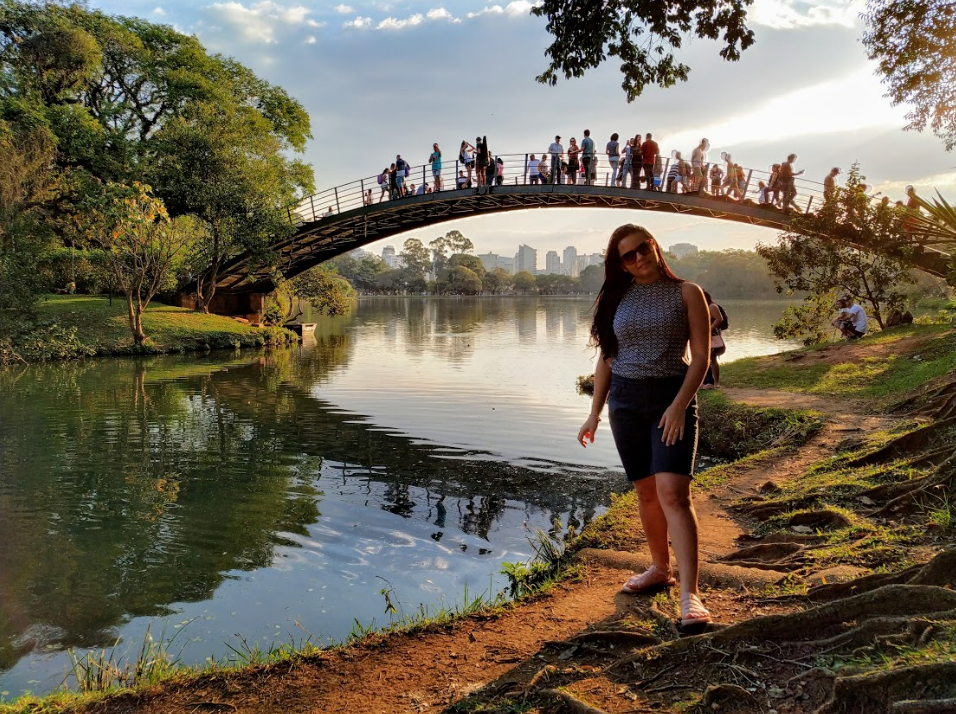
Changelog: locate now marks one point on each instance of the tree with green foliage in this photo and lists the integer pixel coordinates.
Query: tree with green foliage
(140, 240)
(472, 262)
(463, 281)
(496, 281)
(416, 260)
(524, 281)
(642, 34)
(914, 44)
(592, 278)
(852, 246)
(362, 272)
(28, 190)
(128, 101)
(324, 289)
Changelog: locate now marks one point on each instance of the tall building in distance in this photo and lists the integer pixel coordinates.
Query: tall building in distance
(388, 255)
(552, 263)
(570, 256)
(526, 259)
(596, 259)
(682, 250)
(490, 261)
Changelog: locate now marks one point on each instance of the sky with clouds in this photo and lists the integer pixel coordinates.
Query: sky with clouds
(386, 77)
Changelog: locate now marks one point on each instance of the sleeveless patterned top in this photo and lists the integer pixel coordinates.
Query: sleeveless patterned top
(652, 332)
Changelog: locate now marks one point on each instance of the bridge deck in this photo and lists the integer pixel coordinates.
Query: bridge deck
(338, 220)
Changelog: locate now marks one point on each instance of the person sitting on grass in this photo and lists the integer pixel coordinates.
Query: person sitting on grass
(851, 321)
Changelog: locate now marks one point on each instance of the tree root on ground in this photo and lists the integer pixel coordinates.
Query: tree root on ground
(940, 571)
(917, 440)
(764, 553)
(926, 706)
(568, 702)
(728, 698)
(612, 637)
(917, 632)
(888, 601)
(920, 491)
(939, 403)
(824, 518)
(877, 692)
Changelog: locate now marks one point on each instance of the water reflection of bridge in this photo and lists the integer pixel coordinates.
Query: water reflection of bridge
(160, 477)
(339, 219)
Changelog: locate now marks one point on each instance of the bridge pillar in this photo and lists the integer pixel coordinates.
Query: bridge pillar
(246, 305)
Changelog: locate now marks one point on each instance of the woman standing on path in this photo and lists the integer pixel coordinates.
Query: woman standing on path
(643, 319)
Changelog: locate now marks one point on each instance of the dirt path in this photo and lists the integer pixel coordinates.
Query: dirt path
(429, 672)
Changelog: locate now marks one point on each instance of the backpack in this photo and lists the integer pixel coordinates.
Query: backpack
(406, 170)
(724, 324)
(381, 179)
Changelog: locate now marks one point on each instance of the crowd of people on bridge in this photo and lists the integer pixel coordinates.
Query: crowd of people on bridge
(635, 163)
(632, 163)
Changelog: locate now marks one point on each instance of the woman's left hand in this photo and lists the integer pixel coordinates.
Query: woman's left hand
(672, 424)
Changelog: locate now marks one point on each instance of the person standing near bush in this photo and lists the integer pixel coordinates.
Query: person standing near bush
(644, 318)
(718, 323)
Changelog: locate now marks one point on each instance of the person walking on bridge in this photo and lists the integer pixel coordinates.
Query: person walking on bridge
(613, 151)
(649, 153)
(698, 164)
(557, 153)
(435, 161)
(644, 319)
(786, 177)
(587, 155)
(829, 185)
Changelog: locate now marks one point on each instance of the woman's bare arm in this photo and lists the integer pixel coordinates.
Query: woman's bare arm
(698, 321)
(602, 385)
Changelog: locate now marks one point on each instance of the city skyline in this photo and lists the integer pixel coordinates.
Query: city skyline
(568, 262)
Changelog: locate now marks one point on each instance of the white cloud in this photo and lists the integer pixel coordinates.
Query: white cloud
(311, 40)
(259, 21)
(488, 10)
(359, 23)
(517, 8)
(440, 13)
(159, 11)
(391, 23)
(344, 9)
(792, 14)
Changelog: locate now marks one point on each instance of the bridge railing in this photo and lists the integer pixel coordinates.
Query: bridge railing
(516, 170)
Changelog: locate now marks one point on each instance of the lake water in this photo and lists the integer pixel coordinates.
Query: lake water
(412, 446)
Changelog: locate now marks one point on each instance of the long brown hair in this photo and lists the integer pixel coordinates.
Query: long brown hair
(616, 283)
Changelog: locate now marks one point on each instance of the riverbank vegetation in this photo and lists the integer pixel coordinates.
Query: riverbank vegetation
(71, 326)
(144, 156)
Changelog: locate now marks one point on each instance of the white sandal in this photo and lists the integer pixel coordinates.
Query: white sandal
(650, 580)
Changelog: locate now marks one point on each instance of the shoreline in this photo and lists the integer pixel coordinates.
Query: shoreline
(785, 382)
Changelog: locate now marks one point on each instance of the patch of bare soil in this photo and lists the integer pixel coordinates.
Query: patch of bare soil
(586, 647)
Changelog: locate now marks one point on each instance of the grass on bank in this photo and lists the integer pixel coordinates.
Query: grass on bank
(886, 363)
(85, 325)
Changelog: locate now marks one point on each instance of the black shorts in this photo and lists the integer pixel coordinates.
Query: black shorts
(635, 408)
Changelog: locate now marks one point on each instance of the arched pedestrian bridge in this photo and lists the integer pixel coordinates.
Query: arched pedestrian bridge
(346, 217)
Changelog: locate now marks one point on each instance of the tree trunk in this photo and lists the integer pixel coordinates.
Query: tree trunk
(134, 314)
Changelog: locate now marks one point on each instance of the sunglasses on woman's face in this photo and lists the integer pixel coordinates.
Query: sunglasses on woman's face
(644, 249)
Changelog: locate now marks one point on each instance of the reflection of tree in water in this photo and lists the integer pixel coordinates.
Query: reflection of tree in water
(148, 481)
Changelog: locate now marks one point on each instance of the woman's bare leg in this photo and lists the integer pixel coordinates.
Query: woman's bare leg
(673, 491)
(654, 521)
